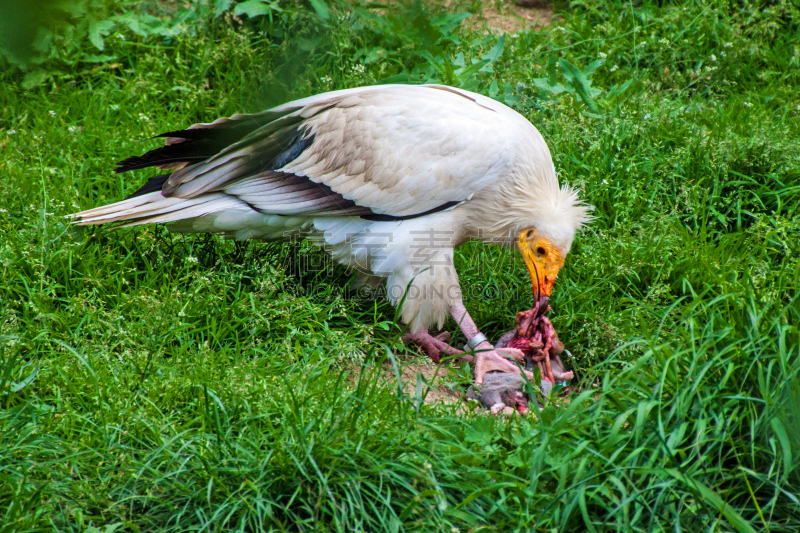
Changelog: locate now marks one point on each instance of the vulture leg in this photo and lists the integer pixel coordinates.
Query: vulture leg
(487, 359)
(433, 346)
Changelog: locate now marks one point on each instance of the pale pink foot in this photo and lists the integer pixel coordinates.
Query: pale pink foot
(434, 347)
(487, 359)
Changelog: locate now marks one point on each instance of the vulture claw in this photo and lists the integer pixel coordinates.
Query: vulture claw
(434, 347)
(443, 336)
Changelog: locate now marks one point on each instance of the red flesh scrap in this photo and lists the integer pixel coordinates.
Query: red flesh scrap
(537, 339)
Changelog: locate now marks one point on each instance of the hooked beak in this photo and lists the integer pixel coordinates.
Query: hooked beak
(543, 269)
(543, 276)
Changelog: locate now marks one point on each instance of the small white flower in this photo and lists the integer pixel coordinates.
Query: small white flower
(748, 104)
(143, 117)
(53, 114)
(73, 129)
(120, 36)
(664, 40)
(728, 45)
(602, 55)
(713, 57)
(326, 80)
(191, 259)
(515, 36)
(647, 116)
(615, 67)
(11, 132)
(359, 69)
(605, 181)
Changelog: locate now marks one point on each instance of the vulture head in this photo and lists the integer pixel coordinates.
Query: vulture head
(543, 260)
(542, 219)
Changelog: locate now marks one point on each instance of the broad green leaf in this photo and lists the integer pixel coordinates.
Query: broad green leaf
(374, 54)
(480, 431)
(465, 73)
(497, 50)
(132, 22)
(544, 85)
(252, 8)
(581, 84)
(403, 77)
(589, 70)
(321, 8)
(493, 89)
(449, 20)
(35, 78)
(221, 6)
(98, 30)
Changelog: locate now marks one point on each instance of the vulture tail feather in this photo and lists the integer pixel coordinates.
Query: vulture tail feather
(153, 207)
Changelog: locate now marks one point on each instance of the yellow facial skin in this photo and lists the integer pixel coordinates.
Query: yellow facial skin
(542, 259)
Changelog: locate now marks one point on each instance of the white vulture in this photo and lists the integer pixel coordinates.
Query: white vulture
(389, 179)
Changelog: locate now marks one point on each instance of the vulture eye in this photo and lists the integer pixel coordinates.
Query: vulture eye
(528, 234)
(541, 251)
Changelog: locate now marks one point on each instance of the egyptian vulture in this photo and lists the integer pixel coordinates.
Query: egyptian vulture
(390, 179)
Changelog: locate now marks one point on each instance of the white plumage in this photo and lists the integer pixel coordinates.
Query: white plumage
(390, 178)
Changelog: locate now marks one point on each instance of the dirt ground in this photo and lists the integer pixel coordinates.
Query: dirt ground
(439, 391)
(508, 17)
(502, 16)
(438, 380)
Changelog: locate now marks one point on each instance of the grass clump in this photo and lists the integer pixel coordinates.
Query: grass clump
(153, 382)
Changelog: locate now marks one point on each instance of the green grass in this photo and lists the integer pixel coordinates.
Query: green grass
(153, 382)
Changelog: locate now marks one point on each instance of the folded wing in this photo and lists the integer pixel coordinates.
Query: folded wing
(381, 153)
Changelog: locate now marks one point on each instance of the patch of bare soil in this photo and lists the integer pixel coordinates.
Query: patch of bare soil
(439, 391)
(501, 16)
(436, 379)
(510, 17)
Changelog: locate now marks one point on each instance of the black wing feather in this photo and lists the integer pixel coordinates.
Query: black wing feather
(153, 184)
(201, 142)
